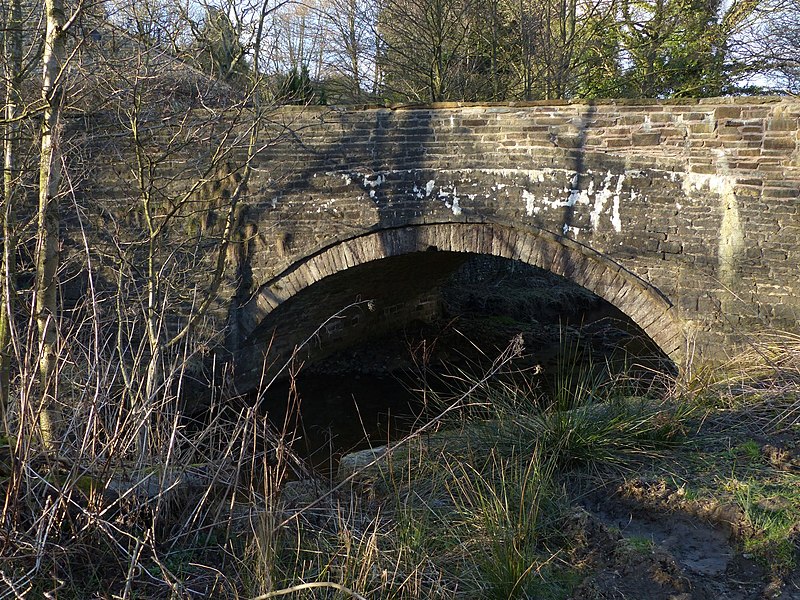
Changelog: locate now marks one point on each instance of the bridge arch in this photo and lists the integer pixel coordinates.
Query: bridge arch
(640, 301)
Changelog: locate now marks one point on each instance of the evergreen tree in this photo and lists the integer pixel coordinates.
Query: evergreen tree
(672, 48)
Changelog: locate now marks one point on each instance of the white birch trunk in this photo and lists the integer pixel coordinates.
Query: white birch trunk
(47, 255)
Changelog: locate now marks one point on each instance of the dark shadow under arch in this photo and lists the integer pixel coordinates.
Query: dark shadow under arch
(639, 300)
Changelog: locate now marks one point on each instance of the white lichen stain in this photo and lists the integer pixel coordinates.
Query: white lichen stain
(731, 234)
(717, 184)
(325, 206)
(574, 196)
(530, 203)
(429, 187)
(533, 175)
(373, 183)
(346, 177)
(616, 222)
(451, 204)
(608, 191)
(600, 200)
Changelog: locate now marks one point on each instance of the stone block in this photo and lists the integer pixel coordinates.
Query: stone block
(670, 247)
(782, 124)
(589, 274)
(780, 192)
(787, 142)
(646, 139)
(631, 119)
(701, 128)
(728, 112)
(704, 169)
(543, 252)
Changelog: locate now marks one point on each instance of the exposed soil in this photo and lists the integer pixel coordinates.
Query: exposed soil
(639, 554)
(635, 546)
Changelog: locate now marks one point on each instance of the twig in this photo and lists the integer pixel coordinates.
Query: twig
(308, 586)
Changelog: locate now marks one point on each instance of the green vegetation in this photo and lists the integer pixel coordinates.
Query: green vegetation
(477, 509)
(484, 501)
(485, 507)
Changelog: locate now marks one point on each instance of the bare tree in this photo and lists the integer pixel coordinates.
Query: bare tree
(189, 136)
(771, 46)
(54, 57)
(298, 39)
(785, 60)
(12, 78)
(425, 43)
(20, 38)
(351, 56)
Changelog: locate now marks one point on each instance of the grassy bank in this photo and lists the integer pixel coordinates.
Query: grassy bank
(508, 491)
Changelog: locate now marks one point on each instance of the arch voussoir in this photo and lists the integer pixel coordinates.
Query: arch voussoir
(308, 273)
(635, 297)
(641, 310)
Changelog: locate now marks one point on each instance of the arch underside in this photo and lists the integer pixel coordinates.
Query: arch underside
(643, 303)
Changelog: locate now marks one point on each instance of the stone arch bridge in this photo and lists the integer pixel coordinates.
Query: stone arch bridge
(685, 215)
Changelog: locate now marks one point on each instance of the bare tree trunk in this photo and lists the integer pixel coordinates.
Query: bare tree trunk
(353, 47)
(47, 255)
(12, 52)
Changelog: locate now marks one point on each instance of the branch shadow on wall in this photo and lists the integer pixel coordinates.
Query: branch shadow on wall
(374, 162)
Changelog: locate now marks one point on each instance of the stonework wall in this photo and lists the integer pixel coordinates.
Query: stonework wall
(701, 199)
(693, 205)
